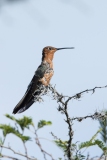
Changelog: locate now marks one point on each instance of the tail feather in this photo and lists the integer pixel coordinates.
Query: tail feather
(22, 106)
(20, 109)
(28, 99)
(32, 94)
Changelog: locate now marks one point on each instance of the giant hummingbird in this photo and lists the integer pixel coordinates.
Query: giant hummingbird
(41, 79)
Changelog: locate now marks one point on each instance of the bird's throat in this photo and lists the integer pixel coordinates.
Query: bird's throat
(48, 57)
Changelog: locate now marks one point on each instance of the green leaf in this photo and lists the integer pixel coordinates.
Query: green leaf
(61, 144)
(103, 125)
(90, 142)
(7, 129)
(79, 157)
(24, 122)
(85, 144)
(10, 117)
(1, 141)
(101, 145)
(97, 142)
(95, 135)
(23, 138)
(43, 123)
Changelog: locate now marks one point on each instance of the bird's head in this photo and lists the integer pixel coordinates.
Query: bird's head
(48, 52)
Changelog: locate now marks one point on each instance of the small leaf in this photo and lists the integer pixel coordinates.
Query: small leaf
(61, 144)
(103, 125)
(100, 144)
(10, 117)
(24, 122)
(96, 134)
(97, 142)
(1, 141)
(91, 142)
(7, 129)
(23, 138)
(79, 157)
(85, 144)
(43, 123)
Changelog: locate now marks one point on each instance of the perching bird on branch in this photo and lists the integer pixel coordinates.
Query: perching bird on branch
(41, 79)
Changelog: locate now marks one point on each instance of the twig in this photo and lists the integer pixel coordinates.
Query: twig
(96, 115)
(5, 156)
(78, 95)
(88, 156)
(25, 150)
(63, 108)
(39, 145)
(17, 152)
(55, 137)
(2, 144)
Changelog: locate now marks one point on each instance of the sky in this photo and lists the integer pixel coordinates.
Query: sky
(25, 28)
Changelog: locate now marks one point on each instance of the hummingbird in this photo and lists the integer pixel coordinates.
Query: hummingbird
(41, 79)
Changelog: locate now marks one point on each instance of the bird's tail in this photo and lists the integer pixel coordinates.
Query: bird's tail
(20, 109)
(23, 105)
(26, 102)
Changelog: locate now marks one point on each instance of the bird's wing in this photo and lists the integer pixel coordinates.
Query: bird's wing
(28, 99)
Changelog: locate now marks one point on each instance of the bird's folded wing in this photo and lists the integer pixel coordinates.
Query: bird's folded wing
(28, 99)
(22, 105)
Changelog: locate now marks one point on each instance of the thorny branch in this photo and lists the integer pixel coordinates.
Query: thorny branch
(96, 116)
(63, 108)
(63, 104)
(76, 96)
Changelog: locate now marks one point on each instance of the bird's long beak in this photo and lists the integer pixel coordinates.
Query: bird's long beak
(65, 48)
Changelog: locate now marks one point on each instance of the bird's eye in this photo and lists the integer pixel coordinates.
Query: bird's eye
(49, 48)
